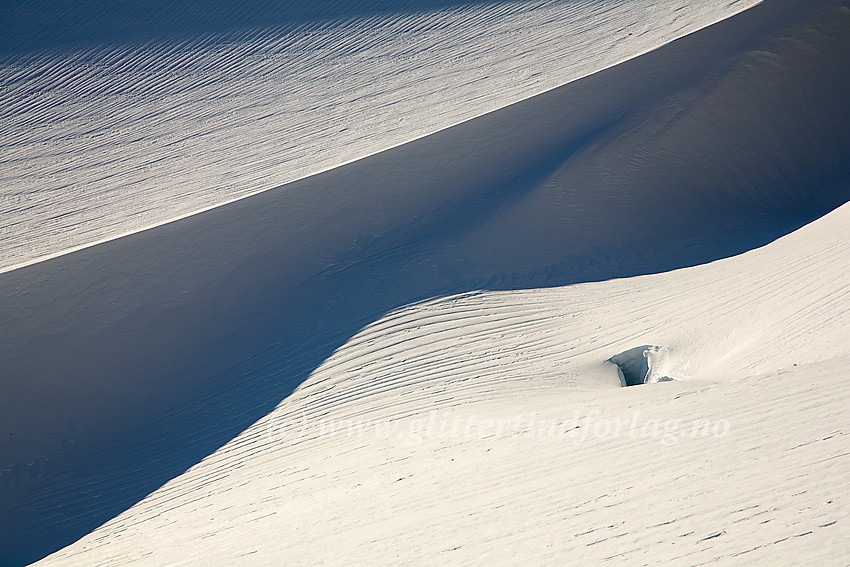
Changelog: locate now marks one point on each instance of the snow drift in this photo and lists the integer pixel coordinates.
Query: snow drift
(128, 362)
(101, 139)
(461, 430)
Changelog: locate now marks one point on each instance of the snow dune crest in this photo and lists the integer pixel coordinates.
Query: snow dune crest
(742, 316)
(477, 405)
(169, 343)
(98, 142)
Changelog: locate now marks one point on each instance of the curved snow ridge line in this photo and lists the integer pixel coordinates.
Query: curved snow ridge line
(210, 294)
(751, 314)
(473, 340)
(507, 338)
(143, 267)
(106, 142)
(290, 467)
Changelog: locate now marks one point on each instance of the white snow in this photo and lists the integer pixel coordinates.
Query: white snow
(405, 358)
(445, 433)
(102, 141)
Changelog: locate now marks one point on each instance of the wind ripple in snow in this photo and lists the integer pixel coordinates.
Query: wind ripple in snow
(106, 140)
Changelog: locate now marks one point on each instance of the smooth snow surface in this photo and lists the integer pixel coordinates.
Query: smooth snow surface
(405, 358)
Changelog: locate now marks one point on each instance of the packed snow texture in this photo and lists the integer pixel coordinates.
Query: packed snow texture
(161, 393)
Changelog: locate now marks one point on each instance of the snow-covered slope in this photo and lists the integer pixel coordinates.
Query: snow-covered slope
(446, 274)
(462, 431)
(102, 139)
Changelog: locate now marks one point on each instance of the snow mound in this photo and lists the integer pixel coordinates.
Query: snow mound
(509, 254)
(411, 429)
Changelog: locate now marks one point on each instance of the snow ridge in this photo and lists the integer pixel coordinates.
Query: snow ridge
(679, 199)
(98, 141)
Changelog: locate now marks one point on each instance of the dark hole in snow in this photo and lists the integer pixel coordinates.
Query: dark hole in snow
(635, 366)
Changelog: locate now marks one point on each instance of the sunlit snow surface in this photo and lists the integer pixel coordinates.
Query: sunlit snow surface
(461, 431)
(406, 357)
(103, 140)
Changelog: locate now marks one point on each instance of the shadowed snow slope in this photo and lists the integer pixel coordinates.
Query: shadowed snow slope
(128, 362)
